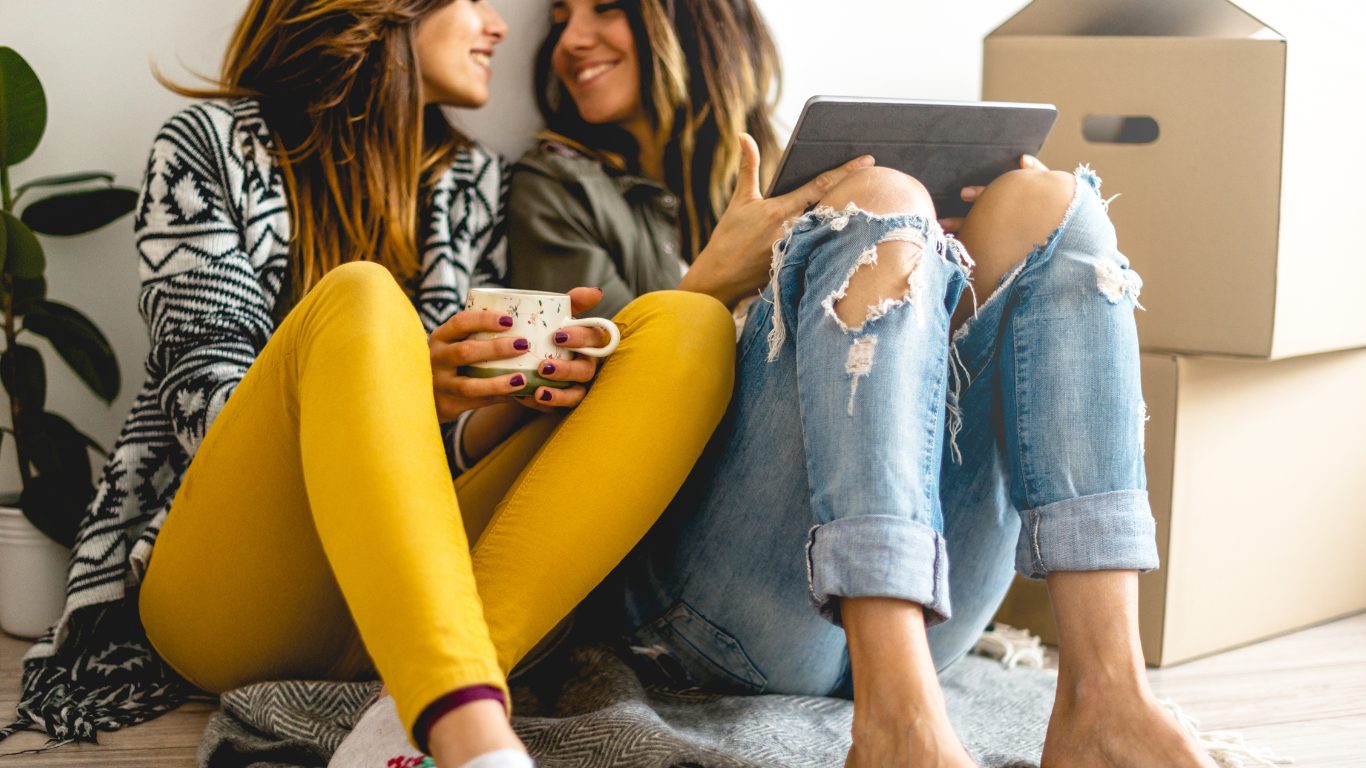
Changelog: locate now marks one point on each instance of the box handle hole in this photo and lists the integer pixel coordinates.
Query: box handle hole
(1120, 129)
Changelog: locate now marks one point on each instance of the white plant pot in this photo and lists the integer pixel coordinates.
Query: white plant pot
(32, 576)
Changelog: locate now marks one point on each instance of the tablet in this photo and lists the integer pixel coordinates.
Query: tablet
(947, 145)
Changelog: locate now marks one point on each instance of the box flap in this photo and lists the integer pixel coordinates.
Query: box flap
(1126, 18)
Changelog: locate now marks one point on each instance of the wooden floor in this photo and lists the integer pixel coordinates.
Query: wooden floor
(1302, 695)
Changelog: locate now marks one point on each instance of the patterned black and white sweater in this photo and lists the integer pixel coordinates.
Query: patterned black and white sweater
(212, 230)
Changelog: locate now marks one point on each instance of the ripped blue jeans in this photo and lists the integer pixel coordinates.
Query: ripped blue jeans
(892, 460)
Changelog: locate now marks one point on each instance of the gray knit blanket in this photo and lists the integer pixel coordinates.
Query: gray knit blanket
(591, 709)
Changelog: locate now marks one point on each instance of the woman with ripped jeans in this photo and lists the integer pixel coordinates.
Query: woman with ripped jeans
(890, 449)
(837, 440)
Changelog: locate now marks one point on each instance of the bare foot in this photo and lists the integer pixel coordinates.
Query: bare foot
(900, 717)
(1117, 730)
(469, 731)
(928, 742)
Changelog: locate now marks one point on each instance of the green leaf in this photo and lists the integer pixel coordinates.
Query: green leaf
(24, 377)
(64, 180)
(24, 256)
(27, 293)
(79, 343)
(52, 444)
(75, 213)
(23, 108)
(56, 505)
(60, 489)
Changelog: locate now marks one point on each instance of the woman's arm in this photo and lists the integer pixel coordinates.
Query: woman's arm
(201, 296)
(738, 256)
(485, 428)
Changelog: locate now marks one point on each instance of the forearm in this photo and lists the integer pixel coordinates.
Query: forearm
(491, 425)
(704, 277)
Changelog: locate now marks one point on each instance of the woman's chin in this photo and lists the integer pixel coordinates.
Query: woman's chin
(594, 116)
(469, 99)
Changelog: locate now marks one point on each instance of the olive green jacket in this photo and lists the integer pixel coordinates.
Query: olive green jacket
(573, 221)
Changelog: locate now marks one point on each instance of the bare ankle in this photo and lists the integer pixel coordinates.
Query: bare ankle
(1101, 685)
(471, 730)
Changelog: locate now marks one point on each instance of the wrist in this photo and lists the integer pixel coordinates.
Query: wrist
(703, 278)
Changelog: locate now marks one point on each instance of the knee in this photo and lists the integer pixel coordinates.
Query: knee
(689, 334)
(357, 303)
(1028, 197)
(881, 191)
(673, 316)
(359, 281)
(363, 290)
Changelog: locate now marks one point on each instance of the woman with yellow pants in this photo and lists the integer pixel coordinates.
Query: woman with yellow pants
(317, 528)
(280, 501)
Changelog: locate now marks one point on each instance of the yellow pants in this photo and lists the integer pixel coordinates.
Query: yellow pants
(317, 535)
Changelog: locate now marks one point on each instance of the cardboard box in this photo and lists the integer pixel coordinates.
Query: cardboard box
(1257, 477)
(1237, 150)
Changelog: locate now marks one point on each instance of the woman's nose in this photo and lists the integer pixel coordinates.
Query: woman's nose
(494, 25)
(579, 31)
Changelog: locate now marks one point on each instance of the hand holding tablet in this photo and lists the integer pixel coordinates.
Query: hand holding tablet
(945, 145)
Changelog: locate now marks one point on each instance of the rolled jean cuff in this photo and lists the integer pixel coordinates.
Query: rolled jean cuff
(1101, 532)
(877, 556)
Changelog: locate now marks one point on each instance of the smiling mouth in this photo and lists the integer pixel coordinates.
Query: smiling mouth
(483, 58)
(590, 72)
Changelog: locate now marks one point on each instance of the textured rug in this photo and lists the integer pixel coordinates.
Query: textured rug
(594, 711)
(587, 707)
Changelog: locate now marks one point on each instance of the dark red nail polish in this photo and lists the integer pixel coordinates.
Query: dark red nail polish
(548, 368)
(521, 345)
(561, 337)
(505, 321)
(518, 381)
(545, 395)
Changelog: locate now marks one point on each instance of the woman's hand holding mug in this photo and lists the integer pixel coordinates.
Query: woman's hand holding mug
(523, 351)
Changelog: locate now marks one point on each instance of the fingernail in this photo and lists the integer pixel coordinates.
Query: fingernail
(521, 345)
(548, 368)
(561, 337)
(518, 381)
(1030, 161)
(505, 321)
(969, 194)
(867, 160)
(545, 395)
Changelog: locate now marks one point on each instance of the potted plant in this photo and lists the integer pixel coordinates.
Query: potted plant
(52, 454)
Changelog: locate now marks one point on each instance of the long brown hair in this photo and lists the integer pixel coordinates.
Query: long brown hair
(340, 90)
(708, 70)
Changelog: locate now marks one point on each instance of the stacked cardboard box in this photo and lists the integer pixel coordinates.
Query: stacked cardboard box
(1237, 149)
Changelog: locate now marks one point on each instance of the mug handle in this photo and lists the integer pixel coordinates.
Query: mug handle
(596, 322)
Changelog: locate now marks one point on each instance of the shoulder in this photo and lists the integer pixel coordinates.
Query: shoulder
(216, 126)
(560, 161)
(476, 164)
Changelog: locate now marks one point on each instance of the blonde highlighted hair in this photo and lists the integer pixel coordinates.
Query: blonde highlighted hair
(709, 71)
(340, 90)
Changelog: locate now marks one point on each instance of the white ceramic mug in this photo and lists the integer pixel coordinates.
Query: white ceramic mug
(536, 316)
